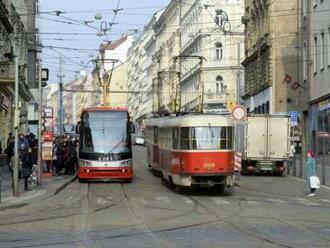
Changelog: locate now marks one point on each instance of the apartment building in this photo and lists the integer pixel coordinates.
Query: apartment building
(319, 51)
(212, 37)
(142, 71)
(272, 79)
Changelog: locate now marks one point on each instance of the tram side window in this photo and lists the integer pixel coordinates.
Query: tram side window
(155, 135)
(175, 138)
(184, 138)
(229, 138)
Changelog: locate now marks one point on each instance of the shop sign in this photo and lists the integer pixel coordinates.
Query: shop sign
(324, 105)
(47, 151)
(48, 112)
(4, 102)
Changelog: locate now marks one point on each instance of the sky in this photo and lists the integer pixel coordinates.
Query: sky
(64, 33)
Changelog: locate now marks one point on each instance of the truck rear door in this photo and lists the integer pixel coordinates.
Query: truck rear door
(278, 133)
(256, 139)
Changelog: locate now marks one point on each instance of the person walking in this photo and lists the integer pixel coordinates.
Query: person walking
(310, 171)
(27, 163)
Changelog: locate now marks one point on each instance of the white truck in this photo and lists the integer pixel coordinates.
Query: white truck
(265, 144)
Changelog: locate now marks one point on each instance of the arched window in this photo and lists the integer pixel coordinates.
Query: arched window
(220, 88)
(220, 17)
(218, 51)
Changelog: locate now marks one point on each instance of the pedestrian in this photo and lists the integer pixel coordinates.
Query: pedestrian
(22, 143)
(10, 138)
(292, 152)
(59, 156)
(310, 171)
(27, 163)
(0, 143)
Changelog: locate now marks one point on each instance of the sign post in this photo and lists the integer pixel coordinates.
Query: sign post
(238, 114)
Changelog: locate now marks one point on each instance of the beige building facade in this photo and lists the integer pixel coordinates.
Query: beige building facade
(272, 57)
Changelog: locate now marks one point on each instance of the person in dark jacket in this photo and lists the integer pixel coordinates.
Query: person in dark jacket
(27, 163)
(310, 171)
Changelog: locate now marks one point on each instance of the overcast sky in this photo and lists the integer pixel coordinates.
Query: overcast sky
(59, 34)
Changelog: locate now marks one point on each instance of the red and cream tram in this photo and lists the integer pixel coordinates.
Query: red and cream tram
(105, 151)
(193, 149)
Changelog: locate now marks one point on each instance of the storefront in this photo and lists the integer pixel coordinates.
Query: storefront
(5, 117)
(320, 127)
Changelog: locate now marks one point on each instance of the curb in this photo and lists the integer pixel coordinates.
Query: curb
(303, 180)
(66, 184)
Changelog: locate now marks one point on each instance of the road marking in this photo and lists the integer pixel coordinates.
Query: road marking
(220, 202)
(325, 200)
(188, 201)
(253, 202)
(306, 202)
(101, 201)
(274, 200)
(143, 201)
(163, 198)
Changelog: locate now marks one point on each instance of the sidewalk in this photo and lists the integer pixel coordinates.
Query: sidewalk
(49, 185)
(298, 170)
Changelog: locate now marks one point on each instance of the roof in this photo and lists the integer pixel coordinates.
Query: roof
(96, 109)
(191, 120)
(113, 45)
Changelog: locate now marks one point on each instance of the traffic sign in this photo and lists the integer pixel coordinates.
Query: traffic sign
(238, 161)
(239, 113)
(294, 118)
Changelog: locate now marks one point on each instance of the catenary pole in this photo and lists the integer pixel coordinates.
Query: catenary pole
(238, 72)
(16, 125)
(39, 123)
(60, 99)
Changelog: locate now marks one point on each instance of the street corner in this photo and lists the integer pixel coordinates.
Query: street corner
(22, 200)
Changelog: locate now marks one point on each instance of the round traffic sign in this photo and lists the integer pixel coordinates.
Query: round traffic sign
(239, 113)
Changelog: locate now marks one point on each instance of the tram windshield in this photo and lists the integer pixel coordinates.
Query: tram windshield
(104, 132)
(207, 138)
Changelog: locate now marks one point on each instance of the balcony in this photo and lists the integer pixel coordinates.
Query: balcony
(7, 73)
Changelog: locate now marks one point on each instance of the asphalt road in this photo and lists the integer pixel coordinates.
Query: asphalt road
(259, 212)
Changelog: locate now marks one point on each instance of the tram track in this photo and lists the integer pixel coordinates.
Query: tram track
(235, 226)
(139, 220)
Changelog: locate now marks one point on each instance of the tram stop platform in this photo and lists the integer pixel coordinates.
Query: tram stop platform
(49, 185)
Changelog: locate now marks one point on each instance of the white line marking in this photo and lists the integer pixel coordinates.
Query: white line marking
(273, 200)
(143, 201)
(163, 198)
(306, 202)
(221, 202)
(188, 201)
(253, 202)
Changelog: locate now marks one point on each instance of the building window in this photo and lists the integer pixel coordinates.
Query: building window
(322, 52)
(218, 51)
(315, 55)
(220, 17)
(329, 46)
(305, 8)
(305, 62)
(220, 86)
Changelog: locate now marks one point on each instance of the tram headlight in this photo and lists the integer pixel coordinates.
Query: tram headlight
(126, 163)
